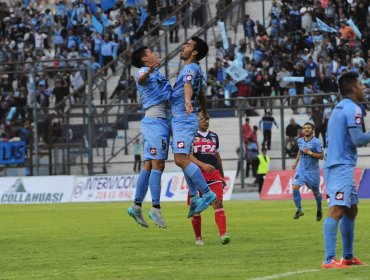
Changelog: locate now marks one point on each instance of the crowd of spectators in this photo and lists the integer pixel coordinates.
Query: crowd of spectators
(315, 41)
(36, 40)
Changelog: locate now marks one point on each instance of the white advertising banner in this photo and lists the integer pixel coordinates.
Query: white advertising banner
(38, 189)
(122, 188)
(104, 188)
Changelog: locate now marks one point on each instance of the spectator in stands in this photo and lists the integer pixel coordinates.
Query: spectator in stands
(267, 121)
(247, 131)
(317, 116)
(292, 131)
(249, 32)
(263, 161)
(137, 156)
(251, 157)
(60, 92)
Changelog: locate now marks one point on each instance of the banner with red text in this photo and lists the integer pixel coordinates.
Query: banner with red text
(278, 184)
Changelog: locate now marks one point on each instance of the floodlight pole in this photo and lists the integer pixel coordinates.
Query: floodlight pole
(90, 121)
(35, 121)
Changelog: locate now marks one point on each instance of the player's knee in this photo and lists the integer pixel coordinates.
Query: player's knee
(147, 165)
(158, 164)
(316, 193)
(217, 204)
(336, 212)
(181, 161)
(352, 212)
(295, 188)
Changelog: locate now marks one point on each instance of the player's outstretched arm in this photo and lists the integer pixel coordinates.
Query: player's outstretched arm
(358, 137)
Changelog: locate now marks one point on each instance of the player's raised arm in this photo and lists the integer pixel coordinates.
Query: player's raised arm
(143, 75)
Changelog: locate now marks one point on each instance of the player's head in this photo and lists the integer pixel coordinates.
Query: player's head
(203, 122)
(308, 129)
(144, 56)
(194, 49)
(350, 86)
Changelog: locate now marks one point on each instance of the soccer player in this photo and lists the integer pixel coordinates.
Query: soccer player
(187, 90)
(308, 172)
(344, 135)
(155, 92)
(206, 156)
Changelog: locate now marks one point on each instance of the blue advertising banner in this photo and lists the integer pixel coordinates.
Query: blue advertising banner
(12, 152)
(364, 188)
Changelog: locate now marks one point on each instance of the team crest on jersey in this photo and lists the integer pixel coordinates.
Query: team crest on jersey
(180, 144)
(339, 196)
(153, 151)
(358, 119)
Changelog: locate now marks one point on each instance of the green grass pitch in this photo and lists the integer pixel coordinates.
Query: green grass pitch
(100, 241)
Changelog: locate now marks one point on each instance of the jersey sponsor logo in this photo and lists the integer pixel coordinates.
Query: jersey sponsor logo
(339, 196)
(358, 119)
(153, 151)
(180, 144)
(204, 148)
(189, 78)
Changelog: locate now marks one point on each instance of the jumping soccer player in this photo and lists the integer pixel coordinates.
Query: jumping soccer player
(206, 156)
(187, 90)
(155, 92)
(308, 172)
(344, 135)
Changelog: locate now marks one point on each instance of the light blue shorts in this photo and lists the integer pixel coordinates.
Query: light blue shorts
(340, 185)
(156, 135)
(311, 180)
(184, 129)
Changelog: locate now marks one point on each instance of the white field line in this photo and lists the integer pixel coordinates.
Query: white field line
(286, 274)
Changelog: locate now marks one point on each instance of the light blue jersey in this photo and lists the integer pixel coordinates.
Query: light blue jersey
(307, 163)
(341, 154)
(155, 129)
(191, 74)
(155, 90)
(340, 148)
(185, 126)
(308, 171)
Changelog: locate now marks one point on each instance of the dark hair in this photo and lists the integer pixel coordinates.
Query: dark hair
(347, 82)
(201, 47)
(310, 124)
(247, 119)
(137, 55)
